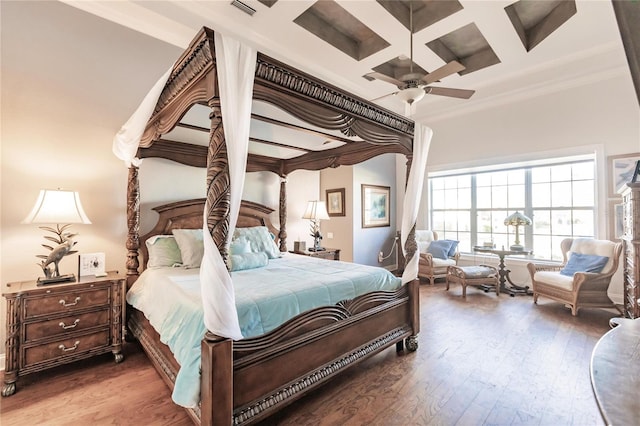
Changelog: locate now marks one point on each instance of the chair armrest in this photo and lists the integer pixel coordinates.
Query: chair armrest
(427, 259)
(533, 268)
(537, 267)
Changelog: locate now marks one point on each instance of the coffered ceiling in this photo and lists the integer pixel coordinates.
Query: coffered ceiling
(510, 50)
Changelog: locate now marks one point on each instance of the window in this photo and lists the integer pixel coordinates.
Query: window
(559, 197)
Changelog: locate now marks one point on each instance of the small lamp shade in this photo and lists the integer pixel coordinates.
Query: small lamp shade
(517, 218)
(316, 210)
(57, 206)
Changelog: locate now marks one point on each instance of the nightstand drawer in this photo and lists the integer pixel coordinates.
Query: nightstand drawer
(61, 302)
(66, 325)
(66, 347)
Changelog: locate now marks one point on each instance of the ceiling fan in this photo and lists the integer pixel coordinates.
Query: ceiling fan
(413, 86)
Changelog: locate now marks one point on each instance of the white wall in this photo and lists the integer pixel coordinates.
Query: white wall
(338, 231)
(368, 242)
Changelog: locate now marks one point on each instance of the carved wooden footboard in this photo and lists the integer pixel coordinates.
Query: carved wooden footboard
(247, 380)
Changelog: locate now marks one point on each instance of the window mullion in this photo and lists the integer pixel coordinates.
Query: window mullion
(473, 212)
(528, 207)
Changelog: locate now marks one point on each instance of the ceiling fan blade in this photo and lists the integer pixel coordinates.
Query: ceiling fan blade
(444, 71)
(446, 91)
(383, 96)
(384, 77)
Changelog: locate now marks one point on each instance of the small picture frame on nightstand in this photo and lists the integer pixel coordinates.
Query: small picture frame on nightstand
(91, 264)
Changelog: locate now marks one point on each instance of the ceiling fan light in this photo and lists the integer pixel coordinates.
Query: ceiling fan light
(411, 94)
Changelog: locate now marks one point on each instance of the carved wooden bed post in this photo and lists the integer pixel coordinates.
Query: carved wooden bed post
(410, 245)
(218, 199)
(217, 358)
(133, 225)
(282, 210)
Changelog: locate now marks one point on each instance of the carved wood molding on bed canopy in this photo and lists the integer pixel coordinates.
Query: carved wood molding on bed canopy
(193, 81)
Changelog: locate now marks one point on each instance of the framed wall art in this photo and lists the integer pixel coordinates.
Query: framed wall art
(336, 202)
(621, 170)
(375, 206)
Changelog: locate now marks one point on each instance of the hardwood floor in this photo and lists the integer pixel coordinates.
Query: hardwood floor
(481, 361)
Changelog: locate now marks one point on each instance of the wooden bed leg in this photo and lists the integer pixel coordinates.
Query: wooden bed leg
(411, 342)
(217, 381)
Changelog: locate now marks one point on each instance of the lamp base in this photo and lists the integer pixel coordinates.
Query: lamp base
(517, 247)
(56, 280)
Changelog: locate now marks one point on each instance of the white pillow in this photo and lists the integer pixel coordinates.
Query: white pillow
(191, 246)
(260, 240)
(163, 251)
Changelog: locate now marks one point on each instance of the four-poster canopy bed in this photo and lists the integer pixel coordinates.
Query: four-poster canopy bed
(246, 380)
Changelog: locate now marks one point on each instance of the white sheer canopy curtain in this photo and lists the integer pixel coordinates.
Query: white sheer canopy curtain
(126, 141)
(421, 143)
(236, 69)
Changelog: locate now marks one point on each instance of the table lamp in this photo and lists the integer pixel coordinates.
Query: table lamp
(316, 211)
(517, 219)
(57, 207)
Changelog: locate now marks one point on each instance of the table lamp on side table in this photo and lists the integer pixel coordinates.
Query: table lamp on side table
(57, 207)
(517, 219)
(316, 211)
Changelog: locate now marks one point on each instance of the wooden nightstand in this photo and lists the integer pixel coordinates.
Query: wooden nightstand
(56, 324)
(327, 253)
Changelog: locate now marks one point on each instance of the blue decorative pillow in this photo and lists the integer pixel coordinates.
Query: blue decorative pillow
(439, 248)
(579, 262)
(239, 246)
(452, 249)
(240, 262)
(259, 240)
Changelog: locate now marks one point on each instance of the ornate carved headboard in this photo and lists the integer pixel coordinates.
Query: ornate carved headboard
(188, 214)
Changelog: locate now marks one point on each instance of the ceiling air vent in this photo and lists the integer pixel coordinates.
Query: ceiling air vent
(243, 7)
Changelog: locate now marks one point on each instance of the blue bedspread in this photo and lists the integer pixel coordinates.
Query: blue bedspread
(265, 298)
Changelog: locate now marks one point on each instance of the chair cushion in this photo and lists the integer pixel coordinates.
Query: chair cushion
(439, 249)
(477, 271)
(579, 262)
(555, 279)
(423, 239)
(598, 247)
(443, 262)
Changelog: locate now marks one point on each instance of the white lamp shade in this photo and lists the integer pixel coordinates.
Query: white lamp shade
(316, 210)
(57, 206)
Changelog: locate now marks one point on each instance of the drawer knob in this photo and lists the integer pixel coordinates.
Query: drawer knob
(66, 327)
(65, 304)
(72, 348)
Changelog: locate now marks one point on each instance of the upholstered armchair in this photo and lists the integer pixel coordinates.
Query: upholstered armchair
(584, 276)
(434, 259)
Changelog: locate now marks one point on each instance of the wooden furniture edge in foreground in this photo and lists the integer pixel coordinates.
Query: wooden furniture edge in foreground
(615, 373)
